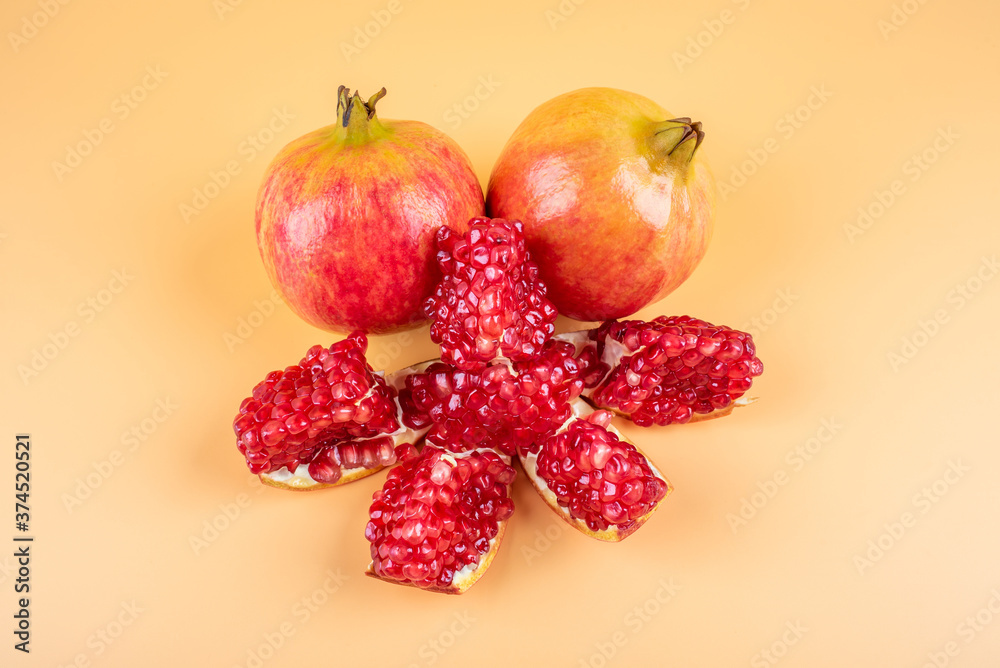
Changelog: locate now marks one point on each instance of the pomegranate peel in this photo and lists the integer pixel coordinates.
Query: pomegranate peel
(301, 481)
(403, 445)
(463, 580)
(695, 417)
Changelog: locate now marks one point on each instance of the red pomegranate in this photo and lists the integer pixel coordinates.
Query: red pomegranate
(346, 217)
(615, 200)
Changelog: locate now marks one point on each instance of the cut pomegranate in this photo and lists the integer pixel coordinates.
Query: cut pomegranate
(673, 369)
(490, 305)
(438, 520)
(508, 408)
(504, 386)
(595, 479)
(326, 421)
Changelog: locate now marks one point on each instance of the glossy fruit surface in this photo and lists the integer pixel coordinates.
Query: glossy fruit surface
(616, 201)
(346, 217)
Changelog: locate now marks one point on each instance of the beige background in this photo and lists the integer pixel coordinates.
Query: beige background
(881, 549)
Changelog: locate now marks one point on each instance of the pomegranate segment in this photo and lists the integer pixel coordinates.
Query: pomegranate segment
(328, 420)
(599, 483)
(673, 369)
(490, 305)
(438, 520)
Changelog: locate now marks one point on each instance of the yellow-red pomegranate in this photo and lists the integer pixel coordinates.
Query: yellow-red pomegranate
(346, 217)
(615, 199)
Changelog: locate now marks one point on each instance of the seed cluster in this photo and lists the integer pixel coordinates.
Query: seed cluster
(674, 367)
(438, 514)
(600, 479)
(490, 303)
(508, 408)
(326, 407)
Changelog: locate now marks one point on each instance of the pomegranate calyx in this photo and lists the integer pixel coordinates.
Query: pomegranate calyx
(356, 116)
(672, 139)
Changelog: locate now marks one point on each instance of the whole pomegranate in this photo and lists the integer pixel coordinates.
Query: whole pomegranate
(616, 203)
(346, 217)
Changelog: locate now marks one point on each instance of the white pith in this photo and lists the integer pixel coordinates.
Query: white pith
(612, 355)
(466, 576)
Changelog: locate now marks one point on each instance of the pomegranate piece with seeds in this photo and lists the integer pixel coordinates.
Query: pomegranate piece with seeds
(490, 304)
(438, 520)
(508, 408)
(328, 420)
(673, 369)
(594, 479)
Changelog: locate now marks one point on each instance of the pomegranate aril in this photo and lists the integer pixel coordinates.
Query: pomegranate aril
(631, 492)
(322, 471)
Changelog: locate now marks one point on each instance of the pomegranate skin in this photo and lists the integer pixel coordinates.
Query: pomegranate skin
(346, 217)
(616, 202)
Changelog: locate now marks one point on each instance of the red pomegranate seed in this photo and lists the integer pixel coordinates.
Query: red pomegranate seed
(438, 515)
(330, 411)
(490, 303)
(672, 368)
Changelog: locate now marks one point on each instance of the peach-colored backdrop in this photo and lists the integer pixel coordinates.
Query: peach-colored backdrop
(849, 518)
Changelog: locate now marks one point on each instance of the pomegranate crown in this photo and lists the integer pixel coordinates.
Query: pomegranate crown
(673, 138)
(349, 106)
